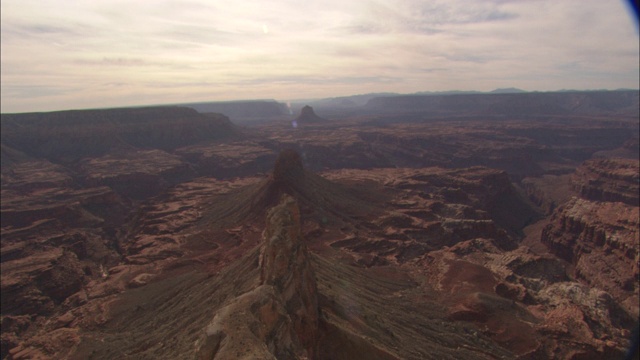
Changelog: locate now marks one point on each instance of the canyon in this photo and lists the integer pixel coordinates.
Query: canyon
(475, 226)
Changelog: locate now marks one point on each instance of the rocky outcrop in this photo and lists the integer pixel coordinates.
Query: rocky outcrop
(279, 318)
(318, 197)
(27, 176)
(437, 208)
(307, 115)
(598, 232)
(286, 265)
(578, 314)
(601, 240)
(34, 286)
(613, 180)
(54, 240)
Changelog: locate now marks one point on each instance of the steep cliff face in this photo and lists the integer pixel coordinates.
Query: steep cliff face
(279, 318)
(612, 180)
(71, 135)
(601, 240)
(598, 232)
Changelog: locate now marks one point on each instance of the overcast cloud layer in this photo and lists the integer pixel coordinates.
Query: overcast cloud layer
(70, 54)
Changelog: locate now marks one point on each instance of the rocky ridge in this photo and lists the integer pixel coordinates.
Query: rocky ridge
(279, 318)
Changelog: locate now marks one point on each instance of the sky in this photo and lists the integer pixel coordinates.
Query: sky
(75, 54)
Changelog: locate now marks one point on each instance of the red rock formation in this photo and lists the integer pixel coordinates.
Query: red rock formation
(286, 265)
(612, 180)
(279, 318)
(598, 233)
(601, 240)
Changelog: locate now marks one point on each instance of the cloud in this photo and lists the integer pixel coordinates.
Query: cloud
(30, 91)
(123, 62)
(313, 80)
(58, 54)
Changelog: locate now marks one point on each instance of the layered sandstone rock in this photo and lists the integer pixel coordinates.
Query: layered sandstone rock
(435, 208)
(612, 180)
(601, 240)
(279, 318)
(598, 232)
(286, 265)
(136, 174)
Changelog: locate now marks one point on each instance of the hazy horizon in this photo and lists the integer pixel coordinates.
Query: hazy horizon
(60, 55)
(299, 101)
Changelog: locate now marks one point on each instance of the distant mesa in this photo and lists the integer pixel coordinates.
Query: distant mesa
(307, 115)
(68, 136)
(510, 90)
(512, 102)
(242, 109)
